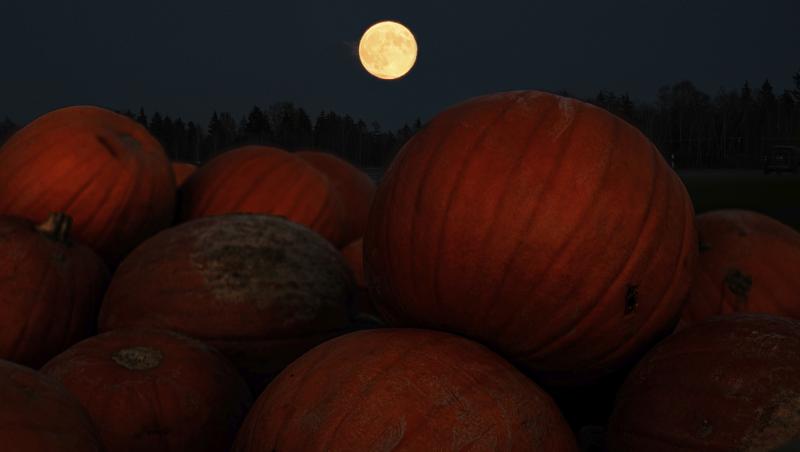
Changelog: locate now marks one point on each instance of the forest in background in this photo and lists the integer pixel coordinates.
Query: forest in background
(732, 129)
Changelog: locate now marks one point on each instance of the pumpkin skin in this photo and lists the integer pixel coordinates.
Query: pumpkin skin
(101, 168)
(259, 288)
(39, 415)
(542, 226)
(268, 180)
(50, 289)
(749, 262)
(353, 255)
(154, 390)
(402, 389)
(726, 383)
(182, 171)
(355, 189)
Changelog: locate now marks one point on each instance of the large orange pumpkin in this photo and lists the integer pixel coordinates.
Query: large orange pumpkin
(259, 288)
(50, 289)
(182, 171)
(748, 262)
(403, 390)
(154, 390)
(263, 179)
(101, 168)
(37, 414)
(355, 189)
(542, 226)
(728, 383)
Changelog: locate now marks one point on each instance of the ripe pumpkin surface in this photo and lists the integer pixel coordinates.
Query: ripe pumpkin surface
(355, 189)
(101, 168)
(154, 390)
(38, 414)
(259, 288)
(542, 226)
(182, 171)
(50, 289)
(748, 262)
(263, 179)
(402, 389)
(727, 383)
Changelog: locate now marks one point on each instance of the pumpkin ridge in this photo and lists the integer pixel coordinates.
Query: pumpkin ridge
(532, 215)
(458, 179)
(251, 192)
(488, 230)
(214, 192)
(103, 232)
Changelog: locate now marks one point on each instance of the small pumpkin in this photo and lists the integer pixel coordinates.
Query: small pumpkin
(402, 389)
(50, 289)
(354, 187)
(749, 262)
(259, 288)
(268, 180)
(182, 171)
(101, 168)
(726, 383)
(154, 390)
(542, 226)
(38, 414)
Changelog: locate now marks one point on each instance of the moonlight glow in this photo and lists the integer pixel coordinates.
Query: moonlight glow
(387, 50)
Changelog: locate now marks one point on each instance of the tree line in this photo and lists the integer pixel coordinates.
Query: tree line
(692, 129)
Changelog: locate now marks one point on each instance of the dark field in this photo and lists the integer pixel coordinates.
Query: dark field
(776, 195)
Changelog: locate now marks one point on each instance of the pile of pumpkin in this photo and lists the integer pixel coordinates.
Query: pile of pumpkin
(525, 260)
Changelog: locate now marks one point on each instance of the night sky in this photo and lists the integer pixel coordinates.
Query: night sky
(188, 58)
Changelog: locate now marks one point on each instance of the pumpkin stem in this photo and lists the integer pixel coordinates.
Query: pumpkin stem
(138, 358)
(57, 226)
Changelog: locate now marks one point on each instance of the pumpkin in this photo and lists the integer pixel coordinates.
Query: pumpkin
(726, 383)
(748, 262)
(101, 168)
(542, 226)
(355, 189)
(154, 390)
(182, 171)
(259, 288)
(268, 180)
(50, 289)
(38, 414)
(353, 255)
(402, 389)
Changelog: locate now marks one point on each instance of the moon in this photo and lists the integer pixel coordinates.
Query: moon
(387, 50)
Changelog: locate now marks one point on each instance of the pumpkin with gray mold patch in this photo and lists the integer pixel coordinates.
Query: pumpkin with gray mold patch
(749, 262)
(154, 390)
(259, 288)
(728, 383)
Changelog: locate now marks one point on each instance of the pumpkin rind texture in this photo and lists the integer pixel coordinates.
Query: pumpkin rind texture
(259, 288)
(726, 383)
(354, 187)
(544, 227)
(182, 171)
(39, 415)
(403, 390)
(266, 180)
(749, 262)
(151, 390)
(101, 168)
(50, 289)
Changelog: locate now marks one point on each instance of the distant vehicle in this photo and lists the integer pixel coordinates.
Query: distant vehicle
(782, 158)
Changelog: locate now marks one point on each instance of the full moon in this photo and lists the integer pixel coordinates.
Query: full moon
(387, 50)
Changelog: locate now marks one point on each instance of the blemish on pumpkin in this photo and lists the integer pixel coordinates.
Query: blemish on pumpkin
(739, 284)
(138, 358)
(705, 429)
(631, 303)
(776, 423)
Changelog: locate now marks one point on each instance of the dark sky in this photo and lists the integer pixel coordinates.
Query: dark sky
(187, 58)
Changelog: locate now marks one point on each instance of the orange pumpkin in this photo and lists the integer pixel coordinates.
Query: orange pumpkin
(182, 171)
(101, 168)
(355, 189)
(749, 262)
(268, 180)
(542, 226)
(154, 390)
(50, 289)
(354, 257)
(403, 389)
